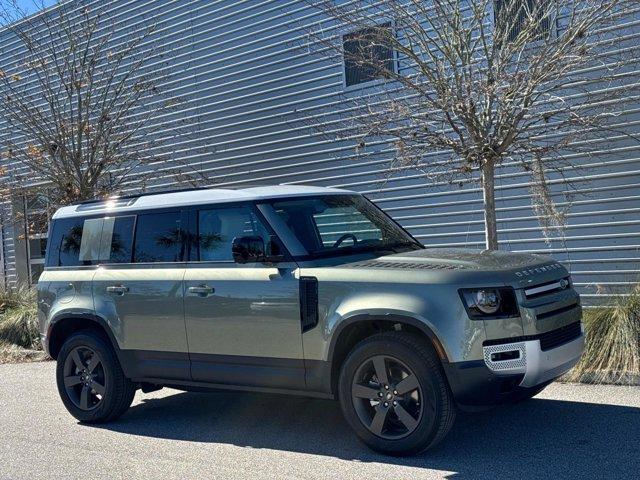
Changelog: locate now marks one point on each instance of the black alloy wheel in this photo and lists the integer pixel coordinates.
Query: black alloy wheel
(91, 382)
(394, 393)
(387, 397)
(84, 378)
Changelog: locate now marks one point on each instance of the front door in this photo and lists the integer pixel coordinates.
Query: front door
(242, 320)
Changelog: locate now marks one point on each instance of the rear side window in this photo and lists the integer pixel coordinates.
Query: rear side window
(159, 238)
(90, 241)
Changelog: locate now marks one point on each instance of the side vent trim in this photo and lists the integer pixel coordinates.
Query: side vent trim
(308, 303)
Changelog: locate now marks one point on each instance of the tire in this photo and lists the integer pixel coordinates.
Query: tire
(362, 394)
(90, 381)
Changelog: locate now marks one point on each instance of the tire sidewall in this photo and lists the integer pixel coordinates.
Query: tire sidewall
(427, 428)
(105, 351)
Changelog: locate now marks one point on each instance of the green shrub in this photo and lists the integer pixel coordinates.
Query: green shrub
(612, 351)
(19, 318)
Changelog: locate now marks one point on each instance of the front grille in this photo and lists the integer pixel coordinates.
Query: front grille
(548, 340)
(547, 288)
(557, 337)
(559, 311)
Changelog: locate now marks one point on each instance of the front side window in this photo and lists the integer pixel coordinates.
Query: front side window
(340, 224)
(367, 55)
(159, 238)
(217, 227)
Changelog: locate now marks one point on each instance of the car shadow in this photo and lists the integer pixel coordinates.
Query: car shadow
(541, 438)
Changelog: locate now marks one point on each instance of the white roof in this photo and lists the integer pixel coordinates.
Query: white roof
(194, 197)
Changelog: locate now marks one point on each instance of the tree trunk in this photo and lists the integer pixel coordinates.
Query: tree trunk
(489, 200)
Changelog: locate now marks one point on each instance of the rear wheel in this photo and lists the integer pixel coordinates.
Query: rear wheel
(90, 381)
(394, 394)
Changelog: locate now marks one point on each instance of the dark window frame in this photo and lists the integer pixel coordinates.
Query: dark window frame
(371, 78)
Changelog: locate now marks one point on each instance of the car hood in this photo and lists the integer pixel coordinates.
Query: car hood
(466, 259)
(515, 268)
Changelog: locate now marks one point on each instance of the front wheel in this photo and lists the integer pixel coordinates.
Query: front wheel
(394, 394)
(90, 381)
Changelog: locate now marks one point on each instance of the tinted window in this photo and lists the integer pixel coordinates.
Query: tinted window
(159, 238)
(218, 227)
(91, 241)
(117, 237)
(341, 224)
(64, 244)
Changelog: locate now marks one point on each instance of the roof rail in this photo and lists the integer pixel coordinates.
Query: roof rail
(138, 195)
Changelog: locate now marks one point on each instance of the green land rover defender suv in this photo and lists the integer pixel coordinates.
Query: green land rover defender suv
(300, 290)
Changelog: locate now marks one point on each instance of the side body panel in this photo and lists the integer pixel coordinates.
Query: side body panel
(64, 293)
(343, 295)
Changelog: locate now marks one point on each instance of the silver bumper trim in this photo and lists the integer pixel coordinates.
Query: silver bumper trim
(537, 366)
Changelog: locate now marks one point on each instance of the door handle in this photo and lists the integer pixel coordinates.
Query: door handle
(118, 289)
(202, 290)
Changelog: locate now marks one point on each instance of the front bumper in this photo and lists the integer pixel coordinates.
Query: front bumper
(536, 365)
(495, 380)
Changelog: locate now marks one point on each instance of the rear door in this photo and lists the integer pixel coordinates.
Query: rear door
(138, 289)
(242, 320)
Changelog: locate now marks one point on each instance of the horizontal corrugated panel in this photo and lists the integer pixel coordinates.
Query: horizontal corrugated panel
(251, 94)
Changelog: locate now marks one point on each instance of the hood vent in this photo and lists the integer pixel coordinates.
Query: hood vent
(404, 265)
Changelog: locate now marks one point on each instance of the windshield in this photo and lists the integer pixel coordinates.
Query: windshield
(339, 225)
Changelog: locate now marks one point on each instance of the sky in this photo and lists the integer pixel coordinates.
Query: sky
(27, 6)
(31, 7)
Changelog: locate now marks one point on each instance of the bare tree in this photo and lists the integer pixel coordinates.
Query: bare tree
(78, 103)
(486, 82)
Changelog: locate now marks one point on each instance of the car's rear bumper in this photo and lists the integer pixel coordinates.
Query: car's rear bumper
(492, 380)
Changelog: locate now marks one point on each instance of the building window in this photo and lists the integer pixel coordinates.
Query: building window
(511, 16)
(366, 57)
(35, 211)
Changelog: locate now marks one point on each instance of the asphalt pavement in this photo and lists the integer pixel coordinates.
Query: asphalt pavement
(568, 431)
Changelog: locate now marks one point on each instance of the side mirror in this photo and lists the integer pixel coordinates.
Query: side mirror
(248, 249)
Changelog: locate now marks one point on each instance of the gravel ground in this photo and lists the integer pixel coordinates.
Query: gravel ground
(568, 431)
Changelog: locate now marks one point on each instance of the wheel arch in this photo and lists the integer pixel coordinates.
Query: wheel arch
(358, 327)
(65, 325)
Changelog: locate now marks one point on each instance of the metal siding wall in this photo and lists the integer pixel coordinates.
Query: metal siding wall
(249, 90)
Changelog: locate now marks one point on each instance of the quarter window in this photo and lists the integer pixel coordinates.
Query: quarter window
(91, 241)
(159, 238)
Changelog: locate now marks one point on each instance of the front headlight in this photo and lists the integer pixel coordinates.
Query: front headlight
(484, 303)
